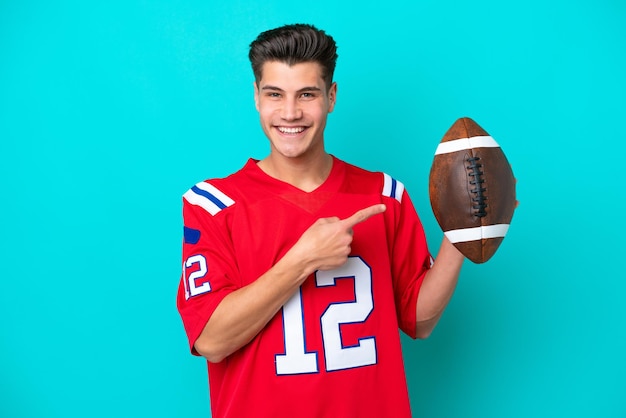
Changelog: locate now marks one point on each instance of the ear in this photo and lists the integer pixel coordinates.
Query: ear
(332, 97)
(256, 96)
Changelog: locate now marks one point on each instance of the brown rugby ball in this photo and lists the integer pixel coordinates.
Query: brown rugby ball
(472, 190)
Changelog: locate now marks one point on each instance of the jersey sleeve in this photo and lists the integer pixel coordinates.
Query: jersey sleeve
(209, 270)
(410, 257)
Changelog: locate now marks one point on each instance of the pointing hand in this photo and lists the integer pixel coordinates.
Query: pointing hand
(326, 244)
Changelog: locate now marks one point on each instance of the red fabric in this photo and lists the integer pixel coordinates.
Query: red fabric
(382, 279)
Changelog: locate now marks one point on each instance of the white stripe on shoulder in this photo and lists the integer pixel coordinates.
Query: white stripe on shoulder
(466, 143)
(392, 187)
(208, 197)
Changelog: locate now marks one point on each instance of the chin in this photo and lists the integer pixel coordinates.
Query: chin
(291, 154)
(290, 151)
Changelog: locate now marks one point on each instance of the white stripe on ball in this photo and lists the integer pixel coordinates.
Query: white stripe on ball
(478, 233)
(466, 143)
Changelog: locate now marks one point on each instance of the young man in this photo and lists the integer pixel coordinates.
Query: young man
(299, 269)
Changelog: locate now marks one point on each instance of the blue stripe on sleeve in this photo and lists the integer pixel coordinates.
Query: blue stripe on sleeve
(209, 196)
(192, 236)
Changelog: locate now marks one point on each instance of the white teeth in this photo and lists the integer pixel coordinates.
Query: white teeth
(290, 130)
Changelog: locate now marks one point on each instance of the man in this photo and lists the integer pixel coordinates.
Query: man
(300, 268)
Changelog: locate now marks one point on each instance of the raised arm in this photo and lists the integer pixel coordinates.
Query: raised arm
(438, 287)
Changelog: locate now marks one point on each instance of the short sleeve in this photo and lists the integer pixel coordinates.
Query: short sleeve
(410, 259)
(209, 270)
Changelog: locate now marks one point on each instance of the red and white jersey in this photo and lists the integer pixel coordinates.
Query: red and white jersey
(333, 350)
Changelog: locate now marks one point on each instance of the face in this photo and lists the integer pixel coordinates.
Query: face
(293, 104)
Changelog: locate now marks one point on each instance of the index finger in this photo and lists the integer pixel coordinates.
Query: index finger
(364, 214)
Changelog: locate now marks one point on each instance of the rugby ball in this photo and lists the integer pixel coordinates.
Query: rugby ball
(472, 190)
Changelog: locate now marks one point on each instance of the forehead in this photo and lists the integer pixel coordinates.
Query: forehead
(297, 76)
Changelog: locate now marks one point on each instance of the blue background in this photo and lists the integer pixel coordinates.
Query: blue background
(109, 111)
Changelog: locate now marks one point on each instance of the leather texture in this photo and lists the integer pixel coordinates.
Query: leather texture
(472, 188)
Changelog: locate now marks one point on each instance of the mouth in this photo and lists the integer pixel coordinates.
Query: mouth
(290, 130)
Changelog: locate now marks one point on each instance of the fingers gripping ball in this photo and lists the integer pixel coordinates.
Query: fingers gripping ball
(472, 190)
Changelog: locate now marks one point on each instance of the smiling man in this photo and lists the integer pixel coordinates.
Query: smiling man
(293, 102)
(299, 269)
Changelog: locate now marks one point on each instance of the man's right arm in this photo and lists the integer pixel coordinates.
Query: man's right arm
(243, 313)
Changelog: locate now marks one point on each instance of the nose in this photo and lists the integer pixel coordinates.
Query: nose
(290, 110)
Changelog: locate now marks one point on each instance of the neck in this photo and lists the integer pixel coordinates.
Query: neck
(305, 174)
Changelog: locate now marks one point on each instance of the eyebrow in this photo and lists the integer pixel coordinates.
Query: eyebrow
(302, 90)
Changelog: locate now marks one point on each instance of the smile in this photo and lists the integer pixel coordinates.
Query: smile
(287, 130)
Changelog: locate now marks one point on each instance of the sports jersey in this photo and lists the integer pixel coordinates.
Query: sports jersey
(333, 350)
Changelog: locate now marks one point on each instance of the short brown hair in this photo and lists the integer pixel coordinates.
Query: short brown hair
(294, 44)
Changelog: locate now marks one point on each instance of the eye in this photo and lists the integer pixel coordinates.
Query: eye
(307, 95)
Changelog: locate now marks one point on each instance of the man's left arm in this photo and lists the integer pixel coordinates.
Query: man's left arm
(437, 288)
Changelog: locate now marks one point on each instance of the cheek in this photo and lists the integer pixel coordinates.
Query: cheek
(265, 112)
(319, 114)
